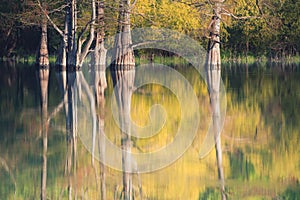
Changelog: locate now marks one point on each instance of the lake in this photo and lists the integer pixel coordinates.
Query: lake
(260, 136)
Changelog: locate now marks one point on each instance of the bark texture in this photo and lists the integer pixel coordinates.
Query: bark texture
(42, 55)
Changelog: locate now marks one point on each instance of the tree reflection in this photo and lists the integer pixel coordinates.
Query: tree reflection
(124, 81)
(43, 76)
(75, 91)
(100, 84)
(213, 78)
(213, 72)
(69, 90)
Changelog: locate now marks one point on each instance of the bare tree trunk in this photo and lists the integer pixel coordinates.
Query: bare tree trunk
(61, 60)
(123, 52)
(100, 86)
(213, 64)
(42, 59)
(123, 73)
(71, 20)
(100, 55)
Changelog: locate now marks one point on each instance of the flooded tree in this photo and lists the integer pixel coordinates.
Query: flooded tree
(123, 74)
(42, 61)
(42, 57)
(99, 58)
(213, 70)
(100, 84)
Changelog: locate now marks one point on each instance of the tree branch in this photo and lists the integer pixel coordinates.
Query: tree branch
(58, 9)
(227, 13)
(91, 37)
(194, 4)
(145, 43)
(49, 19)
(133, 4)
(85, 28)
(142, 15)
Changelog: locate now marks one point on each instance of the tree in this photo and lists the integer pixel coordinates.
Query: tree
(42, 57)
(75, 43)
(123, 73)
(99, 62)
(289, 40)
(213, 73)
(9, 26)
(173, 15)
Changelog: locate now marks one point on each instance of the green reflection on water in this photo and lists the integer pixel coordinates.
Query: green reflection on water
(260, 139)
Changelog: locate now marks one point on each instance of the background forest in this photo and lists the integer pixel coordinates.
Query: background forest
(263, 29)
(39, 154)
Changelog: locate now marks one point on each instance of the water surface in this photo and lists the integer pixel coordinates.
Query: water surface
(260, 138)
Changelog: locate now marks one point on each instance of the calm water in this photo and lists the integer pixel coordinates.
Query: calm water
(260, 139)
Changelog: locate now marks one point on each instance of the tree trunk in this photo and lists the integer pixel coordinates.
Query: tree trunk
(100, 55)
(42, 59)
(71, 20)
(61, 60)
(100, 85)
(123, 53)
(213, 64)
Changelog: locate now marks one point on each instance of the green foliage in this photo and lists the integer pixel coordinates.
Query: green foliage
(292, 193)
(241, 166)
(210, 194)
(166, 14)
(290, 29)
(265, 28)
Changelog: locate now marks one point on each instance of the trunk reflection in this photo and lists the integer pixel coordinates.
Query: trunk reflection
(43, 76)
(213, 72)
